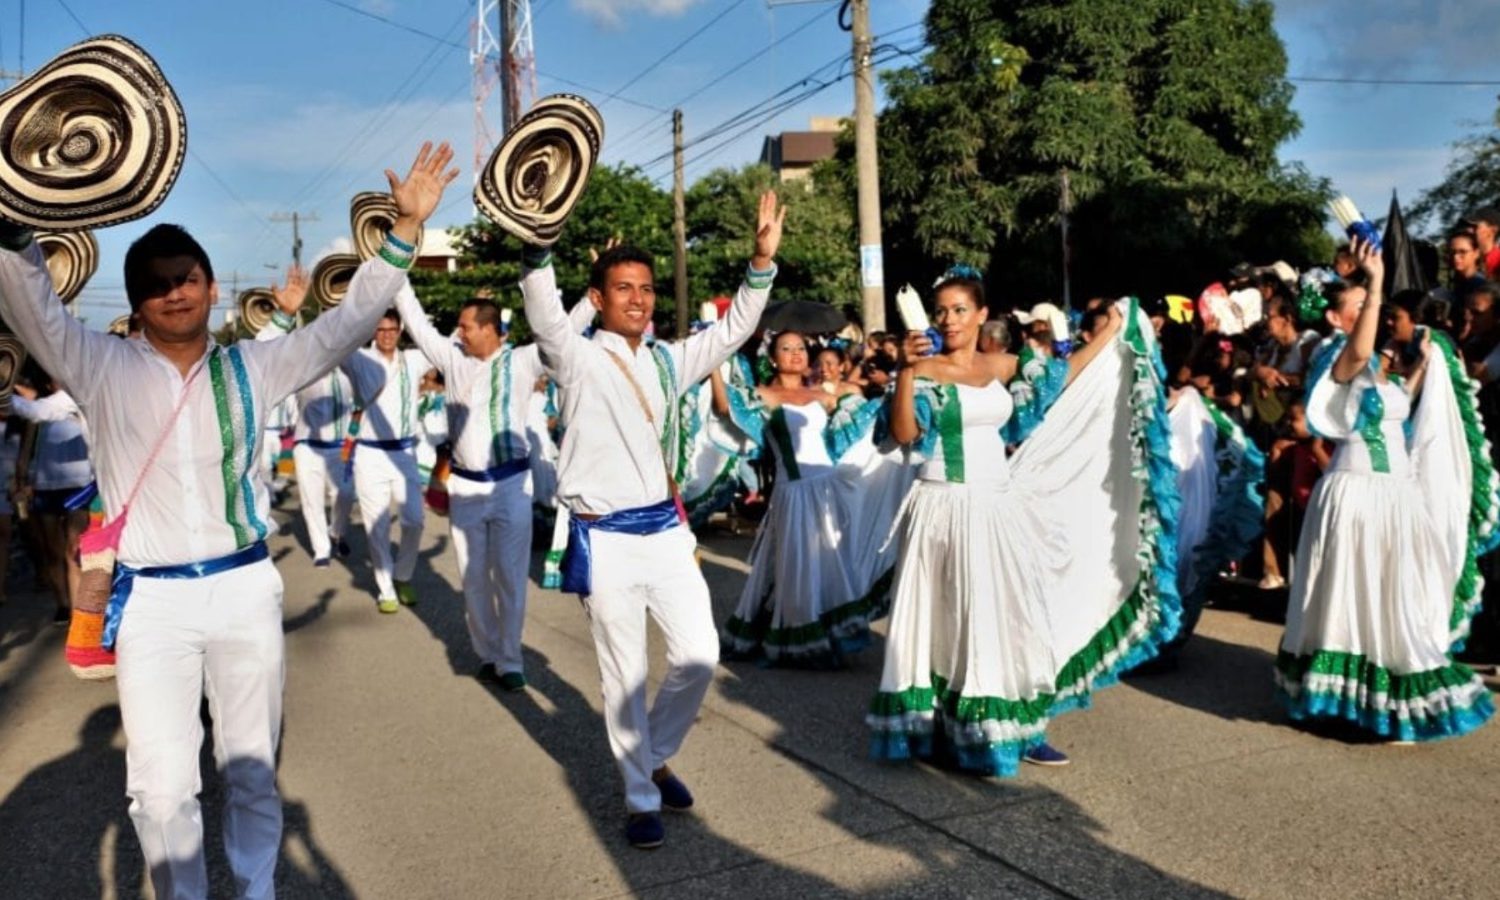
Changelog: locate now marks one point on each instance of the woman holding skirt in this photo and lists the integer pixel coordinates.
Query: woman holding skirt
(1022, 584)
(800, 604)
(1385, 580)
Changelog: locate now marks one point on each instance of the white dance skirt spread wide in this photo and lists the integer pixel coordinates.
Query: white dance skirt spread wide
(1368, 628)
(799, 603)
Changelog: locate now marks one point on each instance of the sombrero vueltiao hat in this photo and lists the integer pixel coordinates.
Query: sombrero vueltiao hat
(257, 306)
(331, 277)
(72, 259)
(12, 357)
(371, 215)
(536, 175)
(93, 138)
(120, 326)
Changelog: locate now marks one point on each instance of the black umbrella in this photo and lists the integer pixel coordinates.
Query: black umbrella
(802, 315)
(1403, 270)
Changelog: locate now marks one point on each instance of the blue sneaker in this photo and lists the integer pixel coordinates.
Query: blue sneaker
(1044, 754)
(675, 797)
(644, 831)
(320, 563)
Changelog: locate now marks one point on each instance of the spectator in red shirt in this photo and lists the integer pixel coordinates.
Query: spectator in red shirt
(1485, 223)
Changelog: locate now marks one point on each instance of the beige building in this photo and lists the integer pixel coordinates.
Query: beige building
(792, 154)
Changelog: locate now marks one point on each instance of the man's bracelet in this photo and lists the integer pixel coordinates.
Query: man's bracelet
(283, 320)
(15, 237)
(396, 252)
(536, 257)
(760, 279)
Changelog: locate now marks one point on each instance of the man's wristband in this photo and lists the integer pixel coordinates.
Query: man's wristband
(283, 320)
(397, 252)
(15, 237)
(536, 257)
(760, 279)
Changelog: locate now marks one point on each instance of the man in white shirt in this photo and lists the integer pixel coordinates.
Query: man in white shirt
(489, 386)
(630, 552)
(60, 479)
(388, 381)
(203, 616)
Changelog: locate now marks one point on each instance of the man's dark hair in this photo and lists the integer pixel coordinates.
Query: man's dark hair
(486, 311)
(618, 256)
(161, 242)
(392, 315)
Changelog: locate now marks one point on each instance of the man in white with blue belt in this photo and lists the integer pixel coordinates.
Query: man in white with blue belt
(630, 551)
(203, 616)
(388, 381)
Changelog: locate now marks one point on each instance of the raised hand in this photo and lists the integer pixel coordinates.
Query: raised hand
(609, 245)
(1372, 262)
(418, 194)
(289, 299)
(767, 231)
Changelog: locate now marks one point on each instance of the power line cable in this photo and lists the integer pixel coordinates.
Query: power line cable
(668, 55)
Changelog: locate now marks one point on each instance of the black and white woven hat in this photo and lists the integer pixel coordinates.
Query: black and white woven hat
(72, 259)
(93, 138)
(536, 176)
(371, 215)
(331, 277)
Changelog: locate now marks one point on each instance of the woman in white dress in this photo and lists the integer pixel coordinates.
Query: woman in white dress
(799, 604)
(1023, 584)
(1384, 583)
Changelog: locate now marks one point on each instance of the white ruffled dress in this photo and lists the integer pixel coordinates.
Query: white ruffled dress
(1024, 584)
(1385, 581)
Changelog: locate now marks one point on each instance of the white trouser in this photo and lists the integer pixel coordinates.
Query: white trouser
(383, 477)
(634, 575)
(320, 481)
(491, 529)
(181, 639)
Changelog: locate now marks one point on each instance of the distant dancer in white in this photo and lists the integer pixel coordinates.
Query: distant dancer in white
(204, 616)
(324, 408)
(630, 551)
(388, 381)
(489, 386)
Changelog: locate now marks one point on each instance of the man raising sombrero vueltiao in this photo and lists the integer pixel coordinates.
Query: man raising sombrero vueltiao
(204, 615)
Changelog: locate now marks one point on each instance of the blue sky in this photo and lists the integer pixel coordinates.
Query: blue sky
(299, 104)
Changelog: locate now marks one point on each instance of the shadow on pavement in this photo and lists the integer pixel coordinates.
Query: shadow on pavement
(66, 830)
(1044, 839)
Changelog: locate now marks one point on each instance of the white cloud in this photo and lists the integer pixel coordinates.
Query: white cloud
(612, 13)
(378, 7)
(340, 244)
(1361, 39)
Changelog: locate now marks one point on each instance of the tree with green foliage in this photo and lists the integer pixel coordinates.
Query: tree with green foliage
(1472, 180)
(818, 260)
(1165, 114)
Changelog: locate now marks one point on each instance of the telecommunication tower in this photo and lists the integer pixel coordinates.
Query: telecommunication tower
(502, 52)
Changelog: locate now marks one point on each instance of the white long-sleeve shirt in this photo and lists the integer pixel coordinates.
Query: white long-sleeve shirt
(390, 391)
(324, 407)
(204, 496)
(488, 399)
(62, 454)
(611, 456)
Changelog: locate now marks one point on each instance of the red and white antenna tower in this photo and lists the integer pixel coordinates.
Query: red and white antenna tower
(502, 52)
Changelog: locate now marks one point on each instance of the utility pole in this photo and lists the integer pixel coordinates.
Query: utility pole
(679, 229)
(871, 259)
(296, 219)
(1064, 208)
(510, 93)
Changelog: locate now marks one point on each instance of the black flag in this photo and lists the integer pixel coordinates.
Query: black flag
(1403, 270)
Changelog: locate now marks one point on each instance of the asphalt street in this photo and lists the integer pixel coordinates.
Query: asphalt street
(403, 777)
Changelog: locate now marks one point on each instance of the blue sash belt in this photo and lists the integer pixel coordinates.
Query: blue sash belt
(493, 473)
(578, 559)
(405, 443)
(125, 577)
(321, 445)
(83, 498)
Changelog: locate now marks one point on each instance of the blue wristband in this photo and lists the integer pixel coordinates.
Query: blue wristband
(760, 279)
(399, 244)
(283, 320)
